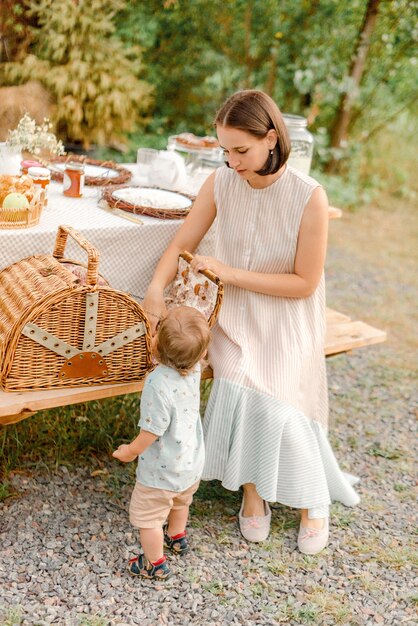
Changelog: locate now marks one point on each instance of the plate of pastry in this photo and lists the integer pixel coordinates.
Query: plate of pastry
(189, 143)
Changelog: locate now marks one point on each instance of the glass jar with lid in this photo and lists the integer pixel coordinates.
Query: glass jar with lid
(73, 180)
(301, 140)
(41, 177)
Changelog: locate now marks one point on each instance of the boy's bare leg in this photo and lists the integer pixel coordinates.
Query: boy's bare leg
(177, 521)
(152, 542)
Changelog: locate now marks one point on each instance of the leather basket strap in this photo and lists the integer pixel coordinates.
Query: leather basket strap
(48, 340)
(90, 322)
(121, 339)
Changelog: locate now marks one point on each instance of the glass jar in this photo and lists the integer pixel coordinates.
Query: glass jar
(302, 142)
(73, 182)
(41, 177)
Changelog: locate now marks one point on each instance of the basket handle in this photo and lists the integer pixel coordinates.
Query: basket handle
(92, 253)
(208, 273)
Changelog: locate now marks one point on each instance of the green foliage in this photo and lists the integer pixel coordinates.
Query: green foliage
(177, 58)
(99, 60)
(384, 163)
(15, 29)
(5, 490)
(99, 97)
(300, 52)
(349, 191)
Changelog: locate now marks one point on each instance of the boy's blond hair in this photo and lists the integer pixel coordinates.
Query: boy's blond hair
(183, 338)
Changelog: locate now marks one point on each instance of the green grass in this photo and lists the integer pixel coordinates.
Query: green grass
(15, 617)
(80, 434)
(318, 603)
(215, 587)
(94, 621)
(6, 490)
(385, 452)
(12, 617)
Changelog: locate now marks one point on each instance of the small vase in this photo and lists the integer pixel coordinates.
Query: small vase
(10, 158)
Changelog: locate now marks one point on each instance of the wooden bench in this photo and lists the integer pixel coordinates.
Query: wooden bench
(342, 335)
(334, 212)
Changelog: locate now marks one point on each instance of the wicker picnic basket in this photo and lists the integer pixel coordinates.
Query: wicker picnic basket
(59, 331)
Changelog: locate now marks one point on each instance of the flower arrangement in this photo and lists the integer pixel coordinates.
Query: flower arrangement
(36, 140)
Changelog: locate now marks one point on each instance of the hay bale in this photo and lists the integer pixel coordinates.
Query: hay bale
(31, 98)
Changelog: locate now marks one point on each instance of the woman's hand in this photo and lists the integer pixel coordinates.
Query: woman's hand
(155, 309)
(214, 265)
(124, 453)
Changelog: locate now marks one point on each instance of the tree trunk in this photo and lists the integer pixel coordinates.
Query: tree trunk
(247, 45)
(272, 73)
(342, 120)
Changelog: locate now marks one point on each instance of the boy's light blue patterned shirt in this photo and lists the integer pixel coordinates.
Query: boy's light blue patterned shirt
(170, 408)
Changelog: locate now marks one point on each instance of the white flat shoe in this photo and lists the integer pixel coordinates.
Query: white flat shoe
(257, 527)
(313, 540)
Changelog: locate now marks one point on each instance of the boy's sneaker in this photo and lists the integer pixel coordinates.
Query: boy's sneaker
(178, 544)
(140, 566)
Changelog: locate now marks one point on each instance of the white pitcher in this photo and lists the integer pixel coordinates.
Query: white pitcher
(10, 158)
(168, 171)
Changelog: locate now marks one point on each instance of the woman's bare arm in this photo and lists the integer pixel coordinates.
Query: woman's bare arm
(188, 238)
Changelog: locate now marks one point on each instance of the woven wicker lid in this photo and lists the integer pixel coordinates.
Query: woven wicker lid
(25, 283)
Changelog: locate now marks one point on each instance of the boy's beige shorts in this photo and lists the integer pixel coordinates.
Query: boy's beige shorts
(150, 507)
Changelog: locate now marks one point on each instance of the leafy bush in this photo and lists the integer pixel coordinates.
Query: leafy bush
(99, 97)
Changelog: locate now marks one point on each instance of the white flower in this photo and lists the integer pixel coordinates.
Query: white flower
(35, 139)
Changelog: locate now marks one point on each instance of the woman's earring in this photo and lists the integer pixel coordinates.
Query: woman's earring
(271, 153)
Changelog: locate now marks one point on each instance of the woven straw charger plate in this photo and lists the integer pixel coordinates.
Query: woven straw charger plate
(149, 201)
(97, 173)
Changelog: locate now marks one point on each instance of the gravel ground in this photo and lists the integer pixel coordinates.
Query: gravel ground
(65, 538)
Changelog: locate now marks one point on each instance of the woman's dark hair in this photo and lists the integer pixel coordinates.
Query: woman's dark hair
(256, 113)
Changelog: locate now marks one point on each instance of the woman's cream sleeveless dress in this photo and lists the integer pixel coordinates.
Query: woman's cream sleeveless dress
(266, 419)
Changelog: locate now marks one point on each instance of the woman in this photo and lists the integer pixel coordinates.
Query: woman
(266, 420)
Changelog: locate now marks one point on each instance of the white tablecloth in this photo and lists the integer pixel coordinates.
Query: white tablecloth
(129, 251)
